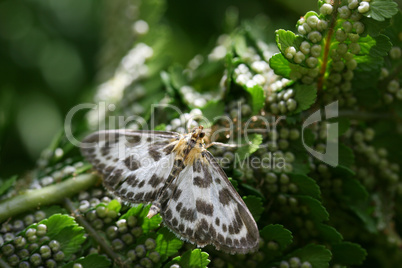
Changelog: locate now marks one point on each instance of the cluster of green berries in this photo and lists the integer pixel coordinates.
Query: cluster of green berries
(32, 249)
(144, 255)
(282, 102)
(294, 262)
(376, 157)
(9, 230)
(393, 90)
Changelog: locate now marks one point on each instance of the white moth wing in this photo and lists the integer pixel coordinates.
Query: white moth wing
(135, 164)
(206, 209)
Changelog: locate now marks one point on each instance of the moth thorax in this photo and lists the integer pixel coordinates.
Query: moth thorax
(154, 209)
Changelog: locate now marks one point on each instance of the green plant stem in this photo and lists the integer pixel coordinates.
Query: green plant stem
(33, 199)
(320, 82)
(93, 233)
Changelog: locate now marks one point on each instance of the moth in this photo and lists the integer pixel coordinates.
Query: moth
(182, 181)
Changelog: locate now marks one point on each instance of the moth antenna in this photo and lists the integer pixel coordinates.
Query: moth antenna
(224, 145)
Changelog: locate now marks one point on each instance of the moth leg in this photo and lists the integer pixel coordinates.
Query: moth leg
(155, 208)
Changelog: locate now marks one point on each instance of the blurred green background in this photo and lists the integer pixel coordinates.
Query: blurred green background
(53, 53)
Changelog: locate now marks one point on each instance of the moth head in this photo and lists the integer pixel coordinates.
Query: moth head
(198, 132)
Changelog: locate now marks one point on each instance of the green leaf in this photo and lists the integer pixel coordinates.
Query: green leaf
(114, 205)
(254, 140)
(71, 239)
(348, 254)
(56, 223)
(64, 229)
(280, 65)
(318, 256)
(277, 233)
(382, 9)
(6, 184)
(161, 127)
(167, 244)
(306, 185)
(234, 183)
(93, 260)
(285, 39)
(328, 233)
(254, 205)
(253, 190)
(213, 109)
(240, 44)
(373, 27)
(315, 209)
(375, 46)
(133, 211)
(165, 77)
(305, 96)
(176, 75)
(353, 191)
(193, 259)
(257, 98)
(346, 156)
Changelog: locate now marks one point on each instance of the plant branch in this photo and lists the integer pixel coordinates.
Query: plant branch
(4, 264)
(320, 83)
(32, 199)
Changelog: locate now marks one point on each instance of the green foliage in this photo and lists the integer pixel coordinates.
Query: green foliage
(93, 260)
(347, 253)
(254, 204)
(192, 258)
(277, 233)
(316, 255)
(249, 146)
(6, 184)
(167, 244)
(257, 97)
(382, 9)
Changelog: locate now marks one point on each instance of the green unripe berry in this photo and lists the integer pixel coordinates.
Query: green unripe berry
(24, 264)
(20, 242)
(127, 238)
(41, 230)
(35, 259)
(363, 7)
(54, 245)
(45, 252)
(146, 262)
(271, 177)
(51, 263)
(117, 244)
(112, 232)
(314, 36)
(59, 256)
(284, 264)
(13, 260)
(101, 211)
(294, 262)
(284, 179)
(154, 256)
(140, 251)
(136, 231)
(23, 253)
(8, 249)
(150, 244)
(131, 255)
(32, 247)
